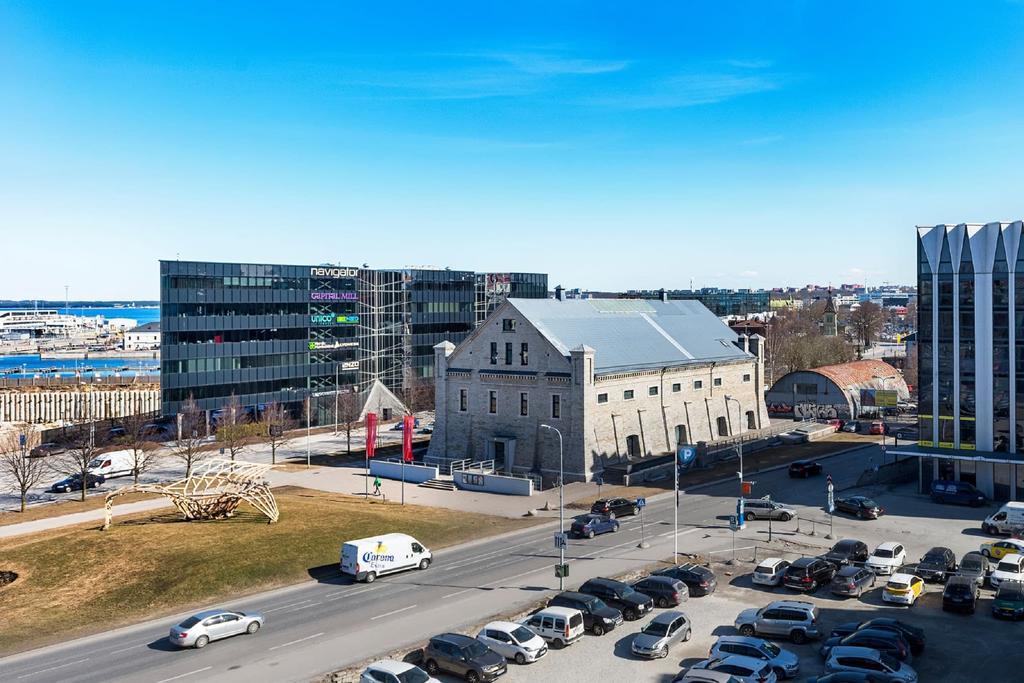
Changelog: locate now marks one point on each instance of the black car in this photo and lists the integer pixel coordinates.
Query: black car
(116, 433)
(598, 618)
(860, 506)
(808, 573)
(912, 634)
(699, 580)
(463, 656)
(804, 468)
(936, 564)
(847, 551)
(974, 566)
(45, 449)
(615, 507)
(620, 596)
(882, 640)
(664, 590)
(853, 581)
(588, 526)
(960, 594)
(74, 483)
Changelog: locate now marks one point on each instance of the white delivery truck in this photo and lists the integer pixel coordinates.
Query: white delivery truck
(1009, 519)
(113, 464)
(368, 558)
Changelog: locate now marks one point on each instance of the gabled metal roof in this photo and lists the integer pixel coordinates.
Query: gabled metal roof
(633, 334)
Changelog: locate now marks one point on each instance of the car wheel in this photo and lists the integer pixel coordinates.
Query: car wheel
(686, 638)
(798, 637)
(814, 587)
(785, 517)
(746, 630)
(598, 630)
(557, 643)
(590, 534)
(988, 529)
(253, 627)
(663, 602)
(472, 677)
(629, 615)
(520, 658)
(748, 516)
(663, 652)
(202, 641)
(424, 563)
(779, 673)
(616, 527)
(636, 510)
(432, 667)
(370, 577)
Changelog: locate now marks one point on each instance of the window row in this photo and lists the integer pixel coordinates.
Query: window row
(629, 394)
(183, 282)
(524, 403)
(237, 363)
(524, 353)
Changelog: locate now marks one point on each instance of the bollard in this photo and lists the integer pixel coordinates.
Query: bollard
(812, 527)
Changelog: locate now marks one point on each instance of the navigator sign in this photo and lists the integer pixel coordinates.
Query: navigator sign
(332, 272)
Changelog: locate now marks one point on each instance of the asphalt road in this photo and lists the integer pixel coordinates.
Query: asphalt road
(331, 623)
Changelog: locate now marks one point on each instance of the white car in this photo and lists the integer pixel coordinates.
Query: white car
(770, 571)
(744, 669)
(887, 558)
(393, 671)
(1010, 568)
(513, 641)
(869, 661)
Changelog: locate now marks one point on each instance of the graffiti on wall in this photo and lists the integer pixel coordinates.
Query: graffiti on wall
(818, 411)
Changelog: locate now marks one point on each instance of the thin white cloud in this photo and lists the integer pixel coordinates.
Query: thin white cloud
(749, 63)
(555, 65)
(749, 273)
(693, 89)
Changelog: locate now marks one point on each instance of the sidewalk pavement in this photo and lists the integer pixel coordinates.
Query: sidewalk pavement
(96, 515)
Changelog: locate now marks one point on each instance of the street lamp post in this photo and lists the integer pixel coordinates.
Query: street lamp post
(881, 413)
(561, 522)
(739, 446)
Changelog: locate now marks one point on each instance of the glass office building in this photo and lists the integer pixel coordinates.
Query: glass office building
(971, 357)
(280, 333)
(721, 302)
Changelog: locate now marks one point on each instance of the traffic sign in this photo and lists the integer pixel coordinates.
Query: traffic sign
(883, 448)
(561, 540)
(734, 525)
(641, 502)
(831, 503)
(21, 440)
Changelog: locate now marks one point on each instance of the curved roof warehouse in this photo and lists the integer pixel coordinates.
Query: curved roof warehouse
(833, 391)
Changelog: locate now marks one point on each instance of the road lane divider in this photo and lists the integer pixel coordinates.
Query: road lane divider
(53, 668)
(397, 611)
(295, 642)
(190, 673)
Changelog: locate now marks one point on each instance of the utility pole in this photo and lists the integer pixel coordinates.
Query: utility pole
(335, 398)
(561, 507)
(309, 407)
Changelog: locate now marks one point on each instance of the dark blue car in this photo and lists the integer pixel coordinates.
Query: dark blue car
(74, 483)
(591, 525)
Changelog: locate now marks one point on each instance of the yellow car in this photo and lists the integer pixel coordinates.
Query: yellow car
(903, 589)
(999, 549)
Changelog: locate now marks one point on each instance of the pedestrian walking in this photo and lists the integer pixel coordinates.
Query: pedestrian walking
(376, 486)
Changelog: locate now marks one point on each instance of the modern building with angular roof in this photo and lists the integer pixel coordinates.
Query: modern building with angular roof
(618, 380)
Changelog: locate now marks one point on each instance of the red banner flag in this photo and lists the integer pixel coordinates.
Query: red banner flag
(407, 428)
(371, 434)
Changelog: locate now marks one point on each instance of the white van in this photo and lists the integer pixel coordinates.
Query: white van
(1008, 519)
(113, 464)
(560, 626)
(368, 558)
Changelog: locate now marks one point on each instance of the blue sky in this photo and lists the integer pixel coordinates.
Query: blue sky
(612, 145)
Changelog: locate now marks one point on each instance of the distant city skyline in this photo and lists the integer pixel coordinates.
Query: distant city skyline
(738, 145)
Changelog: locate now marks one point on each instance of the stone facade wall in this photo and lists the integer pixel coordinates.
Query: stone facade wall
(594, 432)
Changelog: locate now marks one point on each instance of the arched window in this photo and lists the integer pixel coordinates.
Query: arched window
(751, 420)
(723, 427)
(681, 435)
(633, 446)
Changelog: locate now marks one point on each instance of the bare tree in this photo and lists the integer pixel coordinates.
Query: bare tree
(274, 426)
(867, 320)
(349, 407)
(192, 430)
(233, 427)
(75, 461)
(418, 394)
(22, 471)
(134, 439)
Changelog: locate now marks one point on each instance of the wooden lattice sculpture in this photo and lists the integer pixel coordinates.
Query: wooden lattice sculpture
(215, 489)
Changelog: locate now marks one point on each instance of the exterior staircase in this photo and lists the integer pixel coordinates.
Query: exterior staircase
(439, 484)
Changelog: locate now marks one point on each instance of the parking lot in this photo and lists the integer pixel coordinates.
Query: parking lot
(960, 647)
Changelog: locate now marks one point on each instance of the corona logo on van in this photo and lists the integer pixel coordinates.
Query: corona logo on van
(379, 554)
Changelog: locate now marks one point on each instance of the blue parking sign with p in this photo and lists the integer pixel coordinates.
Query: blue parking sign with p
(686, 456)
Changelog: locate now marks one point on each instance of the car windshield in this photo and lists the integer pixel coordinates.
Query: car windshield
(627, 591)
(770, 649)
(867, 502)
(1010, 591)
(475, 649)
(414, 675)
(522, 634)
(933, 558)
(656, 629)
(972, 563)
(1008, 567)
(898, 585)
(766, 569)
(889, 661)
(883, 552)
(189, 623)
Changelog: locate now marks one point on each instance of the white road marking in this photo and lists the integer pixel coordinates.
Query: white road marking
(293, 642)
(294, 604)
(53, 668)
(299, 609)
(681, 533)
(452, 595)
(123, 649)
(388, 614)
(174, 678)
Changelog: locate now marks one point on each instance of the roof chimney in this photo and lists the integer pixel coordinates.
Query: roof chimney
(559, 293)
(663, 295)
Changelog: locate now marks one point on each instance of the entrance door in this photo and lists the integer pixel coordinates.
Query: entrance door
(499, 454)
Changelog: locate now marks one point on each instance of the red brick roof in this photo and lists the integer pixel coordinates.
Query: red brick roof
(863, 373)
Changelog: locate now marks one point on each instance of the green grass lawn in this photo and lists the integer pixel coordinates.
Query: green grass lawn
(78, 580)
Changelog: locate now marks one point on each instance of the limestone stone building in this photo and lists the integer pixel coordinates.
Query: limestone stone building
(620, 379)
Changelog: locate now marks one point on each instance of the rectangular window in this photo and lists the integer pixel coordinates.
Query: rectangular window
(524, 404)
(746, 378)
(718, 381)
(556, 406)
(806, 389)
(508, 325)
(676, 388)
(508, 353)
(602, 398)
(494, 353)
(492, 402)
(627, 395)
(524, 354)
(652, 391)
(463, 400)
(698, 384)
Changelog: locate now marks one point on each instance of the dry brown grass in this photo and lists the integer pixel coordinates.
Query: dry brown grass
(77, 580)
(63, 507)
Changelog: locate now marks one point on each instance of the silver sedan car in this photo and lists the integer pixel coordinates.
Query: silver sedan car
(664, 631)
(199, 629)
